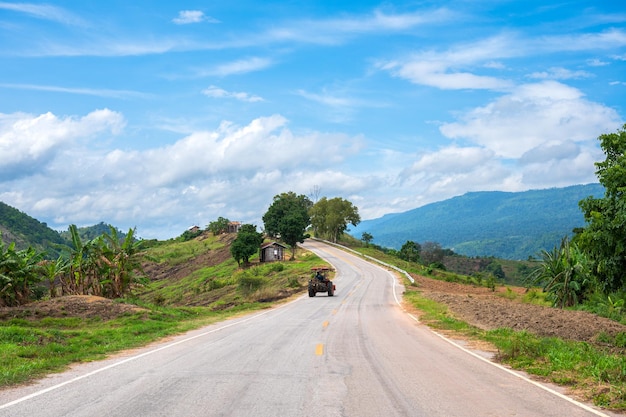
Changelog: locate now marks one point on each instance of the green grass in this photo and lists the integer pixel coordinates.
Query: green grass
(31, 349)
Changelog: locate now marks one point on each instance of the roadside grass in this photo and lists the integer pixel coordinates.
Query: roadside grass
(595, 373)
(33, 348)
(226, 284)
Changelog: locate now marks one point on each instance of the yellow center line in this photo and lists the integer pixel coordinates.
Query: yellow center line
(325, 324)
(319, 349)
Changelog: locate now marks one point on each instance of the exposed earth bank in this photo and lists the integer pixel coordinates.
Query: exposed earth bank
(487, 310)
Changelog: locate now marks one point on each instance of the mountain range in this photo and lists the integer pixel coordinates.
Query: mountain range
(506, 225)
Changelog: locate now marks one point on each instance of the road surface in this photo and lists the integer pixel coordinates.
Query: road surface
(356, 354)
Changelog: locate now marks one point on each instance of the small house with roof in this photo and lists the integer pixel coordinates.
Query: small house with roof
(272, 251)
(233, 227)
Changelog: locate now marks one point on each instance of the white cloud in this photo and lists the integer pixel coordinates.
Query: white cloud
(216, 92)
(532, 115)
(45, 12)
(558, 73)
(241, 66)
(450, 70)
(80, 91)
(186, 17)
(232, 171)
(28, 143)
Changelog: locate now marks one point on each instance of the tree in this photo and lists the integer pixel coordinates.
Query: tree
(218, 226)
(19, 271)
(603, 238)
(367, 238)
(330, 218)
(564, 274)
(246, 244)
(410, 251)
(432, 253)
(287, 218)
(122, 257)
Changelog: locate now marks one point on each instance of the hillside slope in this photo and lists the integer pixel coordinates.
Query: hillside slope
(25, 231)
(500, 224)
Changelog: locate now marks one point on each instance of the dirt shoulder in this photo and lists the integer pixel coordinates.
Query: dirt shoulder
(488, 310)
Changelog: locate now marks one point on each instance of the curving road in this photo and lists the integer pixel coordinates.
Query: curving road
(355, 354)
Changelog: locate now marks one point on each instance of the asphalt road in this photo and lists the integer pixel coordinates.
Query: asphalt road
(355, 354)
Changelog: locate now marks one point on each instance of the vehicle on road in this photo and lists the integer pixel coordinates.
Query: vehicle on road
(320, 282)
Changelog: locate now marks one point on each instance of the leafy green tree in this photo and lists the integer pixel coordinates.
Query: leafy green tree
(367, 238)
(494, 267)
(410, 251)
(218, 226)
(564, 274)
(122, 260)
(19, 271)
(246, 244)
(54, 270)
(330, 218)
(604, 237)
(287, 218)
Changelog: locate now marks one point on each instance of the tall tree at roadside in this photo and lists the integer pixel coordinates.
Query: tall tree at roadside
(246, 244)
(603, 239)
(330, 218)
(287, 218)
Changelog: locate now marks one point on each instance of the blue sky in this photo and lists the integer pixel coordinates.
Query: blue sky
(161, 115)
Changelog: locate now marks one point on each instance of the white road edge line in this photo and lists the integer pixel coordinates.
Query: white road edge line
(497, 365)
(132, 358)
(522, 377)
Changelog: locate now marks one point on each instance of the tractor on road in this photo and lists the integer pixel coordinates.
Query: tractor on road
(320, 282)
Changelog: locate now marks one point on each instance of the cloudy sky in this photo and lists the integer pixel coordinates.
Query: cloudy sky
(161, 115)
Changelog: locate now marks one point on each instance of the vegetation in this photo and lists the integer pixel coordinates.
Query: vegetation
(246, 244)
(19, 273)
(34, 348)
(330, 217)
(604, 237)
(91, 232)
(25, 231)
(218, 226)
(288, 218)
(564, 274)
(106, 266)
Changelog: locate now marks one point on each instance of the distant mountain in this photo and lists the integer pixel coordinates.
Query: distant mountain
(26, 231)
(91, 232)
(491, 223)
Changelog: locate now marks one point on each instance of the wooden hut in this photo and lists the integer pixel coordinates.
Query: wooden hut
(272, 251)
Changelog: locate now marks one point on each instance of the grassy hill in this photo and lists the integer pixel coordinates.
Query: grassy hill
(202, 272)
(500, 224)
(26, 231)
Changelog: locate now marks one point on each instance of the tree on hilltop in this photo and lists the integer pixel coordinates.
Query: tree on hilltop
(287, 218)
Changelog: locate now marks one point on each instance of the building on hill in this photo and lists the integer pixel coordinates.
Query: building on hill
(272, 251)
(233, 227)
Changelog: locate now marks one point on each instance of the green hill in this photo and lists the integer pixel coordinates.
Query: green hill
(26, 231)
(501, 224)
